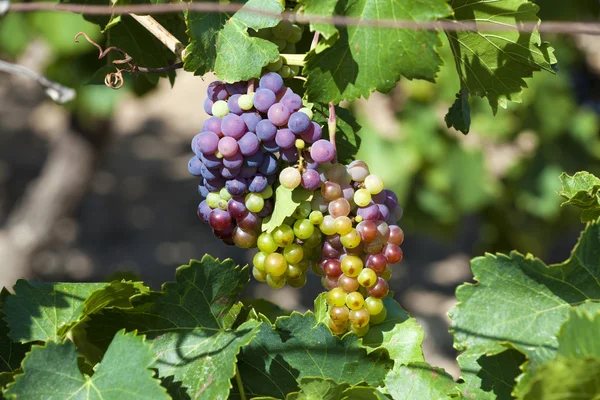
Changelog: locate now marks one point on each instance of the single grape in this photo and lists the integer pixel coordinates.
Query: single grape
(373, 183)
(332, 268)
(355, 301)
(318, 202)
(352, 266)
(266, 243)
(351, 240)
(207, 142)
(244, 239)
(290, 178)
(335, 241)
(278, 114)
(233, 125)
(249, 221)
(211, 161)
(362, 197)
(219, 219)
(331, 191)
(343, 225)
(259, 260)
(271, 80)
(393, 253)
(267, 193)
(265, 130)
(314, 240)
(337, 173)
(337, 329)
(377, 262)
(285, 71)
(282, 30)
(228, 173)
(246, 101)
(339, 208)
(236, 208)
(303, 229)
(275, 65)
(380, 289)
(233, 162)
(254, 160)
(236, 87)
(312, 134)
(276, 282)
(299, 123)
(367, 231)
(267, 209)
(236, 187)
(225, 234)
(295, 34)
(358, 170)
(254, 202)
(292, 101)
(295, 69)
(204, 211)
(217, 90)
(348, 284)
(328, 225)
(369, 213)
(269, 165)
(327, 282)
(275, 264)
(360, 332)
(249, 144)
(384, 212)
(212, 124)
(374, 247)
(396, 235)
(330, 252)
(258, 184)
(373, 306)
(259, 275)
(233, 104)
(322, 151)
(208, 104)
(285, 138)
(302, 210)
(387, 274)
(316, 217)
(213, 200)
(367, 278)
(251, 119)
(220, 109)
(339, 314)
(307, 111)
(271, 146)
(202, 190)
(228, 146)
(297, 282)
(293, 253)
(336, 297)
(379, 318)
(283, 235)
(214, 185)
(311, 180)
(264, 99)
(195, 166)
(359, 318)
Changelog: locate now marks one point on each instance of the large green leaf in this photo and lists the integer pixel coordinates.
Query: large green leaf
(47, 311)
(297, 347)
(581, 190)
(418, 381)
(347, 129)
(495, 64)
(52, 372)
(189, 328)
(221, 43)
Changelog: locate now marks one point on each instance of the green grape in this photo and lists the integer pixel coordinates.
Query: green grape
(337, 329)
(224, 194)
(359, 318)
(259, 260)
(314, 240)
(222, 204)
(360, 332)
(282, 30)
(373, 306)
(213, 199)
(328, 225)
(275, 66)
(303, 229)
(297, 282)
(266, 243)
(367, 277)
(220, 108)
(362, 197)
(337, 297)
(293, 253)
(294, 271)
(303, 210)
(339, 315)
(351, 240)
(280, 43)
(300, 144)
(246, 101)
(355, 301)
(307, 111)
(276, 282)
(267, 193)
(343, 225)
(295, 34)
(295, 70)
(352, 266)
(304, 265)
(387, 273)
(259, 275)
(254, 202)
(265, 33)
(290, 48)
(374, 184)
(283, 235)
(285, 72)
(290, 178)
(316, 217)
(379, 318)
(275, 264)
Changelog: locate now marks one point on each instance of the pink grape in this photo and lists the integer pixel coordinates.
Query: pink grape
(322, 151)
(228, 146)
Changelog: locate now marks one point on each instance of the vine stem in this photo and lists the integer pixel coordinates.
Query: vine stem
(238, 379)
(251, 85)
(294, 59)
(159, 31)
(57, 92)
(315, 41)
(332, 126)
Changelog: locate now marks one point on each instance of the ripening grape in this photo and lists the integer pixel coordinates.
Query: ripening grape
(293, 253)
(297, 282)
(351, 240)
(396, 235)
(337, 329)
(283, 235)
(373, 305)
(380, 289)
(339, 208)
(393, 253)
(379, 318)
(367, 277)
(303, 229)
(244, 239)
(266, 243)
(254, 202)
(343, 225)
(348, 284)
(336, 297)
(355, 301)
(331, 191)
(358, 170)
(359, 317)
(275, 264)
(276, 282)
(290, 178)
(259, 275)
(332, 268)
(374, 184)
(352, 266)
(377, 262)
(339, 315)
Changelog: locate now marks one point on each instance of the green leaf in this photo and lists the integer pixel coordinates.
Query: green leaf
(459, 115)
(364, 59)
(222, 44)
(52, 372)
(346, 138)
(188, 327)
(47, 311)
(578, 337)
(297, 347)
(566, 379)
(581, 190)
(11, 353)
(263, 306)
(418, 381)
(321, 8)
(495, 64)
(318, 388)
(287, 202)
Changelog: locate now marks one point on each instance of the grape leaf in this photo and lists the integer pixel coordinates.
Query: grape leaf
(287, 202)
(525, 301)
(47, 311)
(581, 190)
(578, 337)
(313, 388)
(418, 381)
(495, 64)
(353, 67)
(52, 372)
(11, 353)
(188, 328)
(321, 8)
(347, 139)
(297, 347)
(263, 306)
(221, 43)
(459, 114)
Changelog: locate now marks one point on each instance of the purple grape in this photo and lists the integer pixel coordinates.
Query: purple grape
(217, 91)
(268, 165)
(233, 162)
(369, 213)
(207, 143)
(212, 124)
(208, 103)
(195, 166)
(267, 208)
(265, 130)
(251, 119)
(292, 101)
(209, 173)
(311, 179)
(330, 252)
(225, 234)
(391, 200)
(289, 155)
(383, 211)
(214, 185)
(233, 106)
(211, 161)
(237, 87)
(263, 99)
(228, 146)
(271, 146)
(322, 151)
(229, 173)
(312, 134)
(285, 138)
(278, 114)
(299, 123)
(378, 198)
(194, 141)
(219, 219)
(247, 171)
(237, 208)
(249, 221)
(233, 126)
(249, 144)
(203, 190)
(236, 187)
(255, 159)
(203, 211)
(271, 81)
(347, 192)
(258, 184)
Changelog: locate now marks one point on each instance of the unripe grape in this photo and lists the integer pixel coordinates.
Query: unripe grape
(373, 306)
(374, 184)
(336, 297)
(362, 197)
(355, 301)
(367, 277)
(266, 243)
(283, 235)
(379, 318)
(387, 274)
(254, 202)
(337, 329)
(316, 217)
(328, 225)
(351, 239)
(339, 315)
(348, 284)
(302, 211)
(224, 194)
(213, 200)
(307, 111)
(275, 265)
(343, 225)
(246, 101)
(360, 332)
(293, 253)
(267, 193)
(314, 240)
(352, 266)
(290, 178)
(303, 229)
(220, 109)
(297, 282)
(259, 261)
(294, 272)
(359, 318)
(276, 282)
(259, 275)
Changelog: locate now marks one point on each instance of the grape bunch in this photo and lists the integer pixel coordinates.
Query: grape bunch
(257, 143)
